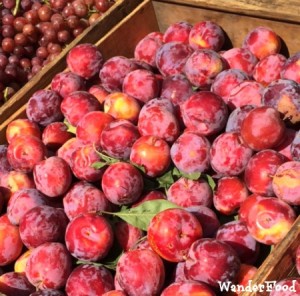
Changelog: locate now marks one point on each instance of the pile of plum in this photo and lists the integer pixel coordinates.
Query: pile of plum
(34, 32)
(162, 174)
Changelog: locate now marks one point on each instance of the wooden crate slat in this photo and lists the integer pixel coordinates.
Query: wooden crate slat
(273, 9)
(280, 263)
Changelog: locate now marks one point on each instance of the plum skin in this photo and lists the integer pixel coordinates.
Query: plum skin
(221, 262)
(140, 272)
(89, 237)
(171, 233)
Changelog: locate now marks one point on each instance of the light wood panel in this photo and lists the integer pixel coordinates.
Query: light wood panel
(280, 263)
(273, 9)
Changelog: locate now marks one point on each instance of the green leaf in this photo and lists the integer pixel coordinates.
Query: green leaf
(210, 181)
(141, 215)
(108, 264)
(124, 208)
(83, 262)
(139, 167)
(99, 165)
(176, 172)
(166, 180)
(193, 176)
(107, 159)
(71, 128)
(111, 259)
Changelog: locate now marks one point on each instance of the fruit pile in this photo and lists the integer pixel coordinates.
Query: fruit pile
(34, 32)
(170, 171)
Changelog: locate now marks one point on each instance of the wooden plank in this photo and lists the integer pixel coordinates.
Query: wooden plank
(91, 35)
(273, 9)
(235, 25)
(280, 263)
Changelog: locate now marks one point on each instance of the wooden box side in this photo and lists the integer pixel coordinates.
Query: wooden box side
(282, 10)
(111, 18)
(280, 264)
(120, 40)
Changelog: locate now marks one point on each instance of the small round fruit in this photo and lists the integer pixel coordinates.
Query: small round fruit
(172, 232)
(262, 128)
(140, 272)
(85, 60)
(211, 261)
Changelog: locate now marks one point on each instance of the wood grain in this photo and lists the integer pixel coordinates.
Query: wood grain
(280, 263)
(273, 9)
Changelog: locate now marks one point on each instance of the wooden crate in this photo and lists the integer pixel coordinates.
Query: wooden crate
(237, 18)
(119, 39)
(92, 34)
(280, 263)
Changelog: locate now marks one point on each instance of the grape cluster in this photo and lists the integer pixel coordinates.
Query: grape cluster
(34, 32)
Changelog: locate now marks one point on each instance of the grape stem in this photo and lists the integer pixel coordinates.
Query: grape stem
(91, 11)
(16, 9)
(6, 94)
